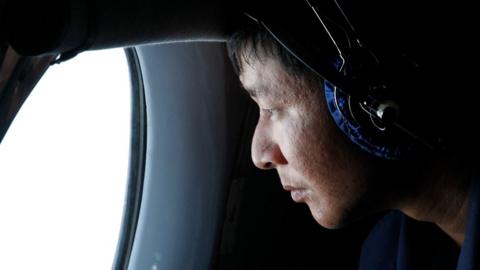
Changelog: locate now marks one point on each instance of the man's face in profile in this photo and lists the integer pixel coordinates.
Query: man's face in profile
(296, 136)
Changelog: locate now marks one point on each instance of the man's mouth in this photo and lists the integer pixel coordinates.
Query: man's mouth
(298, 194)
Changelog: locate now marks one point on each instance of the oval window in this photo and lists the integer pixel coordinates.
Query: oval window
(64, 166)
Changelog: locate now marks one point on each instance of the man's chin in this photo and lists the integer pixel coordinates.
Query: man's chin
(329, 219)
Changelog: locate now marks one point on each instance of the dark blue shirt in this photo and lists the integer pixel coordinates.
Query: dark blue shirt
(398, 242)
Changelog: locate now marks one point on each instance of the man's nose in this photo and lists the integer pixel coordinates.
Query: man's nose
(266, 153)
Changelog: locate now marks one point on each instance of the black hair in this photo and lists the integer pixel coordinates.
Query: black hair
(253, 42)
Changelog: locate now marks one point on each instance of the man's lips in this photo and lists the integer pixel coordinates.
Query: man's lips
(298, 194)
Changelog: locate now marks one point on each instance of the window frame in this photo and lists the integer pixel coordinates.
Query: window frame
(136, 171)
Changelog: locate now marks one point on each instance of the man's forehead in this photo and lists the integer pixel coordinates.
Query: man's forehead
(251, 82)
(265, 79)
(256, 85)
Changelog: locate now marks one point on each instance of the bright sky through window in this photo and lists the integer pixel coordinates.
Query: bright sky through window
(63, 167)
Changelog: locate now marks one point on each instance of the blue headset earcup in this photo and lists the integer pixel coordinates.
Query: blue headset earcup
(380, 145)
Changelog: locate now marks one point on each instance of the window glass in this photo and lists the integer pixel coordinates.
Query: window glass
(64, 165)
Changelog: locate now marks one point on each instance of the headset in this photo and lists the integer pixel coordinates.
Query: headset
(364, 89)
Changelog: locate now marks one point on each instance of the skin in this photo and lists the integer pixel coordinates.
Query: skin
(322, 168)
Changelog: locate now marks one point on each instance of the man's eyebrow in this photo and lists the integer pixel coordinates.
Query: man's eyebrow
(255, 92)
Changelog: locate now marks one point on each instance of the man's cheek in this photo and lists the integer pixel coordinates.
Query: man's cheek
(291, 141)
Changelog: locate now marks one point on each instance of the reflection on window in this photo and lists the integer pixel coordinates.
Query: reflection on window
(63, 167)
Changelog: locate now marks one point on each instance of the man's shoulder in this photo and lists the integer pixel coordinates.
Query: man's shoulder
(381, 245)
(399, 242)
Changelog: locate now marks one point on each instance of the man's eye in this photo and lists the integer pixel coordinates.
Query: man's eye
(269, 111)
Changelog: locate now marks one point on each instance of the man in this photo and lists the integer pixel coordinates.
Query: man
(344, 171)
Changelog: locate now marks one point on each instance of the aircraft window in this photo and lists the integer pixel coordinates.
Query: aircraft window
(64, 165)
